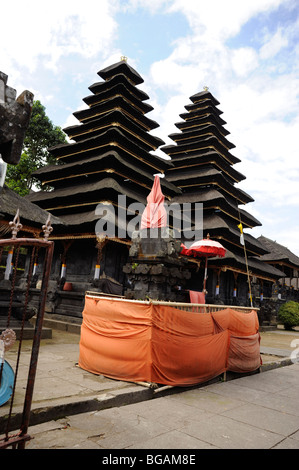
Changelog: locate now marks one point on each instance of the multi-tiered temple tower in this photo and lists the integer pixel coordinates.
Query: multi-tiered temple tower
(203, 168)
(110, 156)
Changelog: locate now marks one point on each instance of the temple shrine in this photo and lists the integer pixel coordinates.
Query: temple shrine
(110, 161)
(283, 259)
(203, 168)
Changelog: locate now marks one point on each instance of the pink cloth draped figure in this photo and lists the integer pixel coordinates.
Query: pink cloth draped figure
(154, 215)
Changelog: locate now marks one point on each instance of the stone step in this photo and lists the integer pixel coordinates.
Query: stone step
(63, 323)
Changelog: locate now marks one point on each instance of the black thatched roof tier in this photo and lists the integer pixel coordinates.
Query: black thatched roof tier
(188, 136)
(198, 122)
(206, 144)
(78, 209)
(114, 138)
(212, 198)
(206, 176)
(117, 102)
(122, 90)
(127, 105)
(199, 112)
(100, 87)
(115, 118)
(194, 161)
(202, 106)
(30, 214)
(81, 196)
(118, 163)
(278, 253)
(257, 268)
(124, 68)
(118, 90)
(86, 222)
(197, 118)
(222, 228)
(204, 95)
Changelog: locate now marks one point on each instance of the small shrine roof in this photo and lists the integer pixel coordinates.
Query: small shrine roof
(257, 267)
(278, 253)
(30, 213)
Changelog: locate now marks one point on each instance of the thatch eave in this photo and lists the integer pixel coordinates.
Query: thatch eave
(99, 87)
(30, 213)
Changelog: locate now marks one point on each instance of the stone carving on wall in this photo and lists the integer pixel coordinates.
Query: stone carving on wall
(14, 119)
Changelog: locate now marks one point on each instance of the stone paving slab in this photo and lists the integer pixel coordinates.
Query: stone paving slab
(205, 418)
(63, 390)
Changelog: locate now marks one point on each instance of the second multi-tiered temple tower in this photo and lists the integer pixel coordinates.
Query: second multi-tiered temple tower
(203, 169)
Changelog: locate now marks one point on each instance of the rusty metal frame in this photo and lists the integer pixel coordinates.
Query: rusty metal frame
(18, 440)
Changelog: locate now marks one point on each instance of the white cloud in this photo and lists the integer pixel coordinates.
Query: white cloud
(259, 99)
(54, 29)
(244, 61)
(219, 19)
(273, 45)
(257, 86)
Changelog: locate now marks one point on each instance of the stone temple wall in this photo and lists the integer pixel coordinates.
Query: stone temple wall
(15, 115)
(7, 94)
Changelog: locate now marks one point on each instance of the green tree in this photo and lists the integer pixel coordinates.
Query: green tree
(288, 314)
(40, 136)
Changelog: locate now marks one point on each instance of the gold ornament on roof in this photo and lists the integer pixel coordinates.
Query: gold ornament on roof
(206, 88)
(124, 58)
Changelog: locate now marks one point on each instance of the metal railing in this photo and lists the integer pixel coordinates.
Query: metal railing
(14, 314)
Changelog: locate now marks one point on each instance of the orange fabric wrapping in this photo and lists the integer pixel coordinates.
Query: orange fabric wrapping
(115, 339)
(173, 321)
(134, 341)
(238, 323)
(244, 353)
(187, 361)
(185, 350)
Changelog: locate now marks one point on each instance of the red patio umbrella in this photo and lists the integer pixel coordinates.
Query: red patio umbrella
(205, 248)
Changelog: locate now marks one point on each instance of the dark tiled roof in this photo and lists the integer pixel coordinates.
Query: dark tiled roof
(30, 213)
(277, 252)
